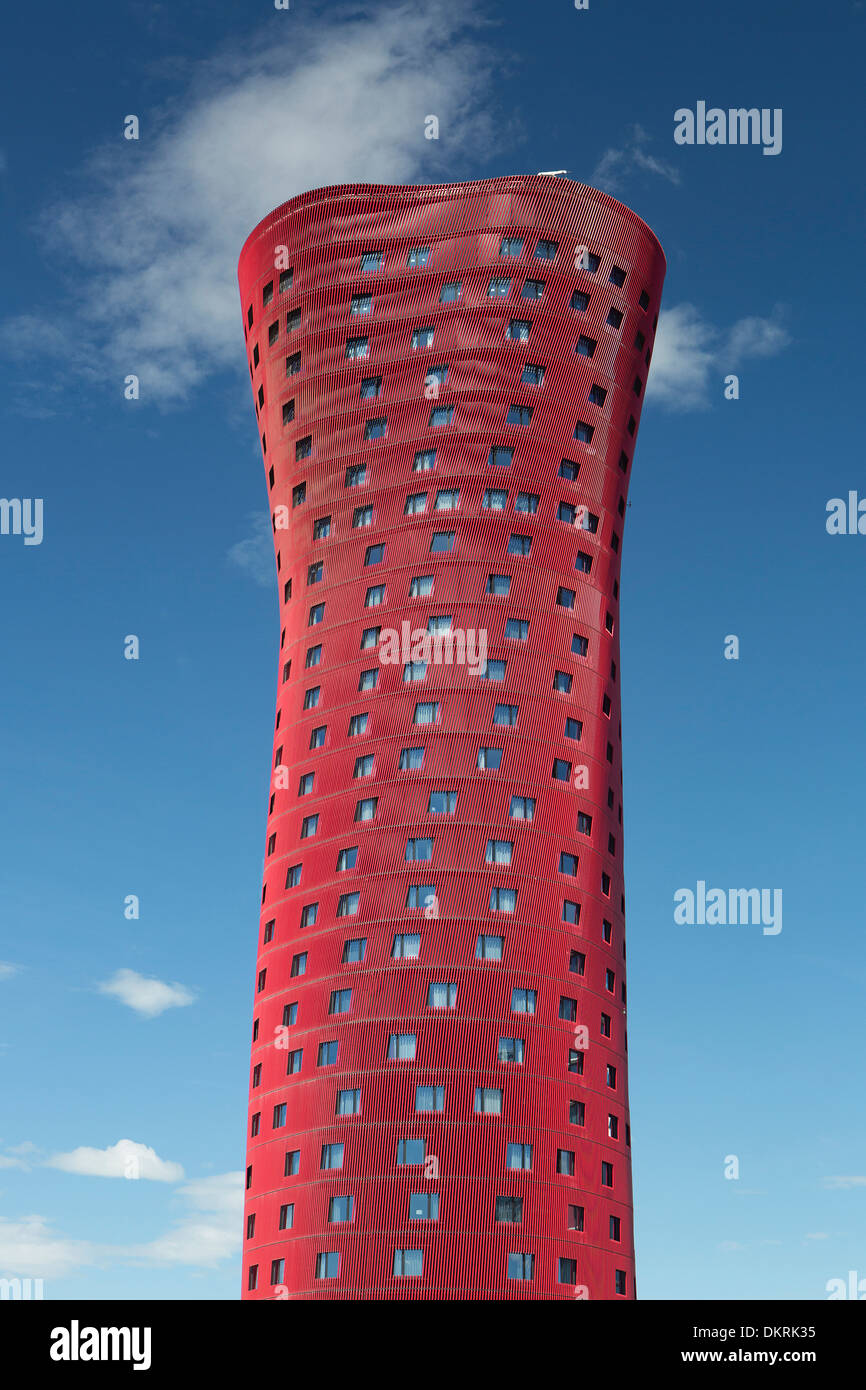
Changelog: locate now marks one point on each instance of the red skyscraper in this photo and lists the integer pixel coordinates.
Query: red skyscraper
(447, 381)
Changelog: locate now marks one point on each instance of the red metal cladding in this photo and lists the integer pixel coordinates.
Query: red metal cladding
(447, 381)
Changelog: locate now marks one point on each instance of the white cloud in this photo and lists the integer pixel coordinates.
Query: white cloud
(8, 969)
(255, 554)
(153, 247)
(840, 1184)
(125, 1159)
(144, 994)
(19, 1155)
(30, 1249)
(210, 1233)
(616, 166)
(816, 1235)
(691, 355)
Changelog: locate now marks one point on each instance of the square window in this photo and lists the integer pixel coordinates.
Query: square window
(532, 376)
(441, 542)
(430, 1100)
(489, 758)
(488, 1100)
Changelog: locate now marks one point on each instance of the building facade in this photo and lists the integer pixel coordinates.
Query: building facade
(448, 381)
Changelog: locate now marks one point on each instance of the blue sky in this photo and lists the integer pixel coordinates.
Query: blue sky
(150, 777)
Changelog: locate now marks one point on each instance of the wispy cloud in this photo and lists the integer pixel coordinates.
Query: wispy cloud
(841, 1184)
(31, 1249)
(125, 1159)
(691, 356)
(146, 995)
(8, 969)
(255, 553)
(19, 1156)
(618, 166)
(152, 248)
(208, 1232)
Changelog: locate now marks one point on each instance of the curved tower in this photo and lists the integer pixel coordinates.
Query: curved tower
(448, 381)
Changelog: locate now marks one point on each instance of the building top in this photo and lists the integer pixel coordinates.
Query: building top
(562, 194)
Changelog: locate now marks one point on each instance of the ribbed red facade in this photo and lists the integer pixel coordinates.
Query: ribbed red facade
(438, 1101)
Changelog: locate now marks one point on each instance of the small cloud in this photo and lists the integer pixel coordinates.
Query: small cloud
(731, 1245)
(688, 351)
(616, 166)
(838, 1184)
(255, 554)
(210, 1234)
(30, 1249)
(8, 969)
(816, 1235)
(7, 1161)
(125, 1159)
(144, 994)
(756, 337)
